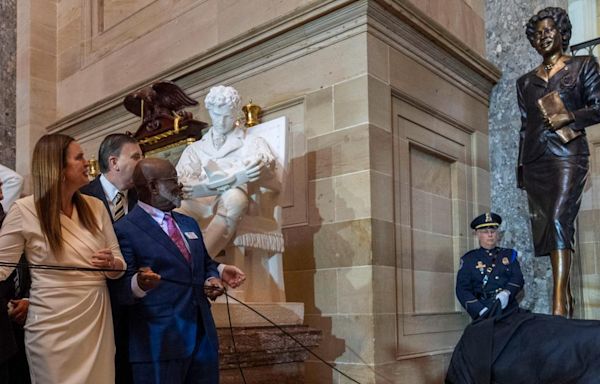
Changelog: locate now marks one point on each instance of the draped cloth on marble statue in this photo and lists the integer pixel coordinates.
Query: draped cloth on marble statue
(69, 330)
(522, 347)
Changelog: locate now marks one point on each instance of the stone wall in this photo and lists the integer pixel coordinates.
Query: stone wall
(509, 49)
(389, 155)
(464, 19)
(8, 49)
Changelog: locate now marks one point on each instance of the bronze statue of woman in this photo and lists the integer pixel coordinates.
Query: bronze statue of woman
(558, 100)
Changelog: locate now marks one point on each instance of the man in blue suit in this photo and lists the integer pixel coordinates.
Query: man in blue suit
(172, 338)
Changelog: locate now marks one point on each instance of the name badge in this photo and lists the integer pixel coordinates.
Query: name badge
(191, 235)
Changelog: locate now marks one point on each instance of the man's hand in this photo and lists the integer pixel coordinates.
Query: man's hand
(213, 288)
(233, 276)
(503, 297)
(18, 314)
(147, 279)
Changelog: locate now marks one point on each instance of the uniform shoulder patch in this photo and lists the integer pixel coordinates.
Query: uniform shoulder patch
(509, 253)
(513, 255)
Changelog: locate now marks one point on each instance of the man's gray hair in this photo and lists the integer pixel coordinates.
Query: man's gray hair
(221, 95)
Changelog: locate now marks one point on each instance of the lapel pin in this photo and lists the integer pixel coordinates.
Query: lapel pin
(191, 235)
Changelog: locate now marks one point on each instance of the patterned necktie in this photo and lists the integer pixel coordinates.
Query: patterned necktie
(119, 208)
(17, 282)
(175, 235)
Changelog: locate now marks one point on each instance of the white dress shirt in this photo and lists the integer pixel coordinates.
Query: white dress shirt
(12, 186)
(110, 191)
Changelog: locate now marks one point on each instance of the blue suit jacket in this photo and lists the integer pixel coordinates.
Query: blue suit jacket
(163, 325)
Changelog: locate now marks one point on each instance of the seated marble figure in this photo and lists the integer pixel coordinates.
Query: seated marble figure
(232, 181)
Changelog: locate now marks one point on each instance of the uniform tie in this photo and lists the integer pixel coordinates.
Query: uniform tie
(119, 209)
(175, 235)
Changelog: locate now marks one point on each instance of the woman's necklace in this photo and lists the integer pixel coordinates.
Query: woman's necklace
(548, 67)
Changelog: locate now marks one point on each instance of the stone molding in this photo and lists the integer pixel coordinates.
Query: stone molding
(406, 28)
(437, 114)
(301, 33)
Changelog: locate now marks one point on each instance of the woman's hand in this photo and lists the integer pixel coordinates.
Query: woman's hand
(104, 259)
(558, 121)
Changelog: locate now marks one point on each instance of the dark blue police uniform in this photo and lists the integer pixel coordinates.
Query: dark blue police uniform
(483, 274)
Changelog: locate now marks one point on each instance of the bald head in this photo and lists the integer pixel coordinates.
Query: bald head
(156, 183)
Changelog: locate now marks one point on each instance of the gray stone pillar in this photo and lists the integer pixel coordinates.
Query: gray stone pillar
(508, 48)
(8, 48)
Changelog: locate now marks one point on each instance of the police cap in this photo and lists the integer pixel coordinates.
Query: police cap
(486, 220)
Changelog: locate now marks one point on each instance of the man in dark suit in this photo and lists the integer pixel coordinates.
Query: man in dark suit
(172, 333)
(14, 303)
(117, 157)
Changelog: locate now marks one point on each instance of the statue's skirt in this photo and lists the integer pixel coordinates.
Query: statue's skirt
(554, 187)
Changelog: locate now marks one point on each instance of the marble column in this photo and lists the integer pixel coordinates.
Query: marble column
(508, 48)
(8, 47)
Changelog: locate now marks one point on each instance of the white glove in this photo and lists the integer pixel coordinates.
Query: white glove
(483, 311)
(503, 297)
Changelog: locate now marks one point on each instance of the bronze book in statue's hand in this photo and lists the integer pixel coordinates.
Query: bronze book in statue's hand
(551, 105)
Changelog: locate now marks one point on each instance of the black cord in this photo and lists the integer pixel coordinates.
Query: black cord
(191, 284)
(237, 354)
(293, 338)
(59, 267)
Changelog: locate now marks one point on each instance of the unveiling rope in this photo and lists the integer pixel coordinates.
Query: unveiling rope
(190, 284)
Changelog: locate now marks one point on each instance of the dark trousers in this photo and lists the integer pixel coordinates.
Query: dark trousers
(16, 370)
(122, 366)
(202, 367)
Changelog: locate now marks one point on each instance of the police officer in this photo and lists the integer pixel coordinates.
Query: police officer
(488, 272)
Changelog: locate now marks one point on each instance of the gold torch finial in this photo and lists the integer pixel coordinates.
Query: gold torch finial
(251, 111)
(94, 169)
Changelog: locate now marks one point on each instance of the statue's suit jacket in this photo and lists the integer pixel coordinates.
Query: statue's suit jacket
(578, 84)
(164, 324)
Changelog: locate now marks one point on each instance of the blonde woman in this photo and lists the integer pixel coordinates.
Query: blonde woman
(68, 331)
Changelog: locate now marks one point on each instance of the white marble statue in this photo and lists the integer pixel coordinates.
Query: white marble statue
(232, 178)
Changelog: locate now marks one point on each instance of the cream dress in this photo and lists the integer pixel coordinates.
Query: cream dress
(69, 330)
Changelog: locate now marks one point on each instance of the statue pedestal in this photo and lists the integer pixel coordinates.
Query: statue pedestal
(266, 354)
(280, 313)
